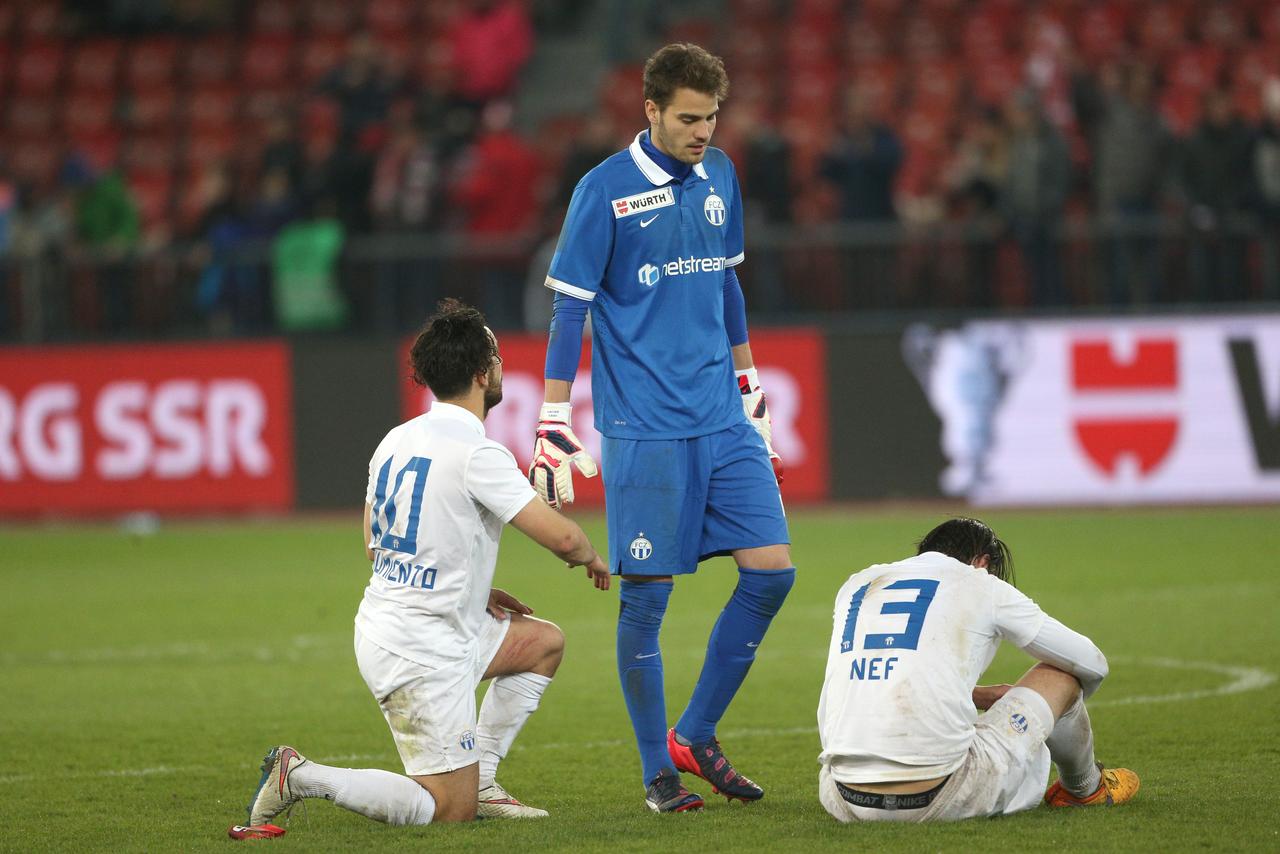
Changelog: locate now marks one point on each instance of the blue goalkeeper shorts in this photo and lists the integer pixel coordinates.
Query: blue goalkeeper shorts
(671, 503)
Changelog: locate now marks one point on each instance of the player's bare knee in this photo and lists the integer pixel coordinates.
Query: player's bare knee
(1059, 688)
(550, 644)
(766, 557)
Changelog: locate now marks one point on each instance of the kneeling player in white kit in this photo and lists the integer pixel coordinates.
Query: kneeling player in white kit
(430, 628)
(902, 739)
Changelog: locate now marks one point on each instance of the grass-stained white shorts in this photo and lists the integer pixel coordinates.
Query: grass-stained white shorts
(1005, 771)
(431, 711)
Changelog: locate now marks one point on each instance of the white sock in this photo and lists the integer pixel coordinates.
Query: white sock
(372, 792)
(1071, 747)
(507, 705)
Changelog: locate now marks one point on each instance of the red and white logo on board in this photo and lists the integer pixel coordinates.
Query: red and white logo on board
(1125, 402)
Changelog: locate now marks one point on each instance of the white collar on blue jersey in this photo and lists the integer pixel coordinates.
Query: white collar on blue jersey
(456, 413)
(655, 173)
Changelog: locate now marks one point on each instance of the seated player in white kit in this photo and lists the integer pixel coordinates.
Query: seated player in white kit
(902, 739)
(431, 627)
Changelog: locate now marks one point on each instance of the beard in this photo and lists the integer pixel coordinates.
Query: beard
(492, 396)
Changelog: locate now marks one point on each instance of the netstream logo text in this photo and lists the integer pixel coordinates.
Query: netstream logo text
(650, 274)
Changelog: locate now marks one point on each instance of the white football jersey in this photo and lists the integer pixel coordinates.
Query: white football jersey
(440, 494)
(909, 643)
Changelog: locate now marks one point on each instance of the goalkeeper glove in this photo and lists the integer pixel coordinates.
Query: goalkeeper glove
(555, 449)
(758, 414)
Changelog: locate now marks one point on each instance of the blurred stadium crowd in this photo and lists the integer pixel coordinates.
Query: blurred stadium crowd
(245, 167)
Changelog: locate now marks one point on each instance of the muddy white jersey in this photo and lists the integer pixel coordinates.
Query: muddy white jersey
(908, 644)
(440, 494)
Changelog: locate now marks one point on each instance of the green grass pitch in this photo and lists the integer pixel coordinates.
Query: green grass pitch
(143, 677)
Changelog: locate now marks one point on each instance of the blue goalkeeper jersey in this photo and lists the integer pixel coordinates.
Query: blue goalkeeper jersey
(649, 251)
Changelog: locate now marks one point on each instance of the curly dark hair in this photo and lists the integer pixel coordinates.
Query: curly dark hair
(965, 539)
(684, 66)
(452, 348)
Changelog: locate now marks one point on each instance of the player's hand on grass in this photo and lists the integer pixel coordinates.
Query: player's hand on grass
(502, 604)
(753, 403)
(985, 696)
(555, 449)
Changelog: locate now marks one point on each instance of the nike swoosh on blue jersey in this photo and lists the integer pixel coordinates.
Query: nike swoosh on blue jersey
(645, 223)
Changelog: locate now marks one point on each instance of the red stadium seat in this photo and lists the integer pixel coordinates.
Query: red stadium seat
(1100, 32)
(267, 61)
(1193, 68)
(398, 50)
(824, 14)
(100, 148)
(209, 60)
(262, 104)
(1252, 66)
(756, 11)
(153, 193)
(923, 39)
(936, 84)
(212, 107)
(812, 91)
(38, 67)
(85, 113)
(40, 20)
(995, 78)
(807, 47)
(270, 17)
(94, 65)
(881, 81)
(151, 152)
(439, 15)
(1162, 29)
(866, 41)
(1223, 26)
(925, 132)
(1180, 109)
(152, 110)
(319, 56)
(152, 63)
(332, 17)
(389, 16)
(33, 160)
(984, 35)
(210, 144)
(1267, 20)
(29, 116)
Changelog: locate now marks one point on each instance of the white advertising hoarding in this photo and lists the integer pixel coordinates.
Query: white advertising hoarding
(1108, 411)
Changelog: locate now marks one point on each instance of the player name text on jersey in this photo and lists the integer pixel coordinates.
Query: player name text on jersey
(401, 572)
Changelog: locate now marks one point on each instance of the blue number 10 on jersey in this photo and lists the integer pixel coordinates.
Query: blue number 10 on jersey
(384, 511)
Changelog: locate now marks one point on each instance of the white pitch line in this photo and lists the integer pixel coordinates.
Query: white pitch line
(1242, 679)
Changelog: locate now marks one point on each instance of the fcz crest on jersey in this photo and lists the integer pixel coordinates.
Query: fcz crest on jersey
(641, 548)
(713, 207)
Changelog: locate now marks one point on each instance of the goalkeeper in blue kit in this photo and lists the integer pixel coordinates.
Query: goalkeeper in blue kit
(649, 246)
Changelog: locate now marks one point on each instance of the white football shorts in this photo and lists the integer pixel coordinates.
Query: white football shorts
(1005, 771)
(431, 711)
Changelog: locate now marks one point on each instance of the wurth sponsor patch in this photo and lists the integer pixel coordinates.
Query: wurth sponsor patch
(642, 202)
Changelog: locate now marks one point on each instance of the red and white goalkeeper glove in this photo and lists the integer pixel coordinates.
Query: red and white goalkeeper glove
(555, 449)
(758, 414)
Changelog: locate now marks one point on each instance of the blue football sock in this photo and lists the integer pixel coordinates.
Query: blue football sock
(732, 648)
(643, 604)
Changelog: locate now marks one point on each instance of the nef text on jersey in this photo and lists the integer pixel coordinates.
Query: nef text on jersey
(872, 669)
